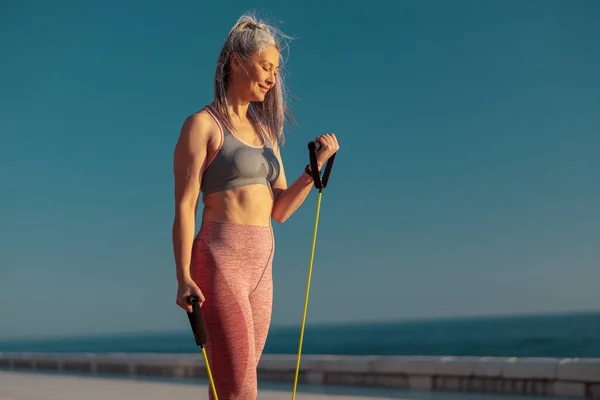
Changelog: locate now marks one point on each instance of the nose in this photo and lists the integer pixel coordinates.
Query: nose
(271, 79)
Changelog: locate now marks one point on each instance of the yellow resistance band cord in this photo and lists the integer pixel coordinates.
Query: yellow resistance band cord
(319, 184)
(210, 378)
(312, 254)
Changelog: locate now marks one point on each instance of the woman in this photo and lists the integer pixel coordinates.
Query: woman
(230, 151)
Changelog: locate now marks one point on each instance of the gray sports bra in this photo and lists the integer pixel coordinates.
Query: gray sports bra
(237, 163)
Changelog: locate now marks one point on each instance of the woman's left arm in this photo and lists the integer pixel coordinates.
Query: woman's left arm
(288, 199)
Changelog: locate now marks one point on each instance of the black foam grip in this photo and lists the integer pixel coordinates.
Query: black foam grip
(313, 147)
(197, 321)
(314, 167)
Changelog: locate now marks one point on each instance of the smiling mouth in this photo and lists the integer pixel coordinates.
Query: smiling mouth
(264, 89)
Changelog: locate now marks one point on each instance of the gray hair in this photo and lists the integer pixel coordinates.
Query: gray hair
(248, 37)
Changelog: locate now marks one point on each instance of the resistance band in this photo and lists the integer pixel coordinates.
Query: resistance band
(319, 184)
(199, 329)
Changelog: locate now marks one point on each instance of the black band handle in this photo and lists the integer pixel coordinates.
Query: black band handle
(197, 321)
(320, 183)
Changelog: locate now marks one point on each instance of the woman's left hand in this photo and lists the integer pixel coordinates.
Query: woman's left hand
(329, 145)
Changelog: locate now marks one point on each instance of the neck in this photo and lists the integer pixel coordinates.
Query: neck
(236, 106)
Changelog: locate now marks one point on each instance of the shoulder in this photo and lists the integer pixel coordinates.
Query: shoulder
(198, 131)
(200, 123)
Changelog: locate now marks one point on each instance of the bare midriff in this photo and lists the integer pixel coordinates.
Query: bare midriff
(250, 205)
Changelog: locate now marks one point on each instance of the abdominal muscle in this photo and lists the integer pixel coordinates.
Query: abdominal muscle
(249, 205)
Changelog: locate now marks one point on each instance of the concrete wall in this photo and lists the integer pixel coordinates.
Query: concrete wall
(544, 376)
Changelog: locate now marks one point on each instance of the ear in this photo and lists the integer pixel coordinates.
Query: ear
(235, 62)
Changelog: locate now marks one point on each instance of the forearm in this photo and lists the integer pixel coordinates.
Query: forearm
(290, 199)
(183, 238)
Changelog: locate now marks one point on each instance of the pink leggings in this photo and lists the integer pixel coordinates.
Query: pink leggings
(232, 266)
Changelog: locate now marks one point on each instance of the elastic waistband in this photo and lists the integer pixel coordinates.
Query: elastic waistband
(232, 228)
(229, 224)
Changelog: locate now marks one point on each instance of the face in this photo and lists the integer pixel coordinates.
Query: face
(257, 75)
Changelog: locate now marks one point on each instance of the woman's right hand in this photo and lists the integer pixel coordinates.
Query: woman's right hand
(185, 289)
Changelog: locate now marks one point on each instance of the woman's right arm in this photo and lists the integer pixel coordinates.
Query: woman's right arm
(188, 165)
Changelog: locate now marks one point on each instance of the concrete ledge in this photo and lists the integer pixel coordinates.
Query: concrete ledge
(575, 369)
(511, 376)
(531, 368)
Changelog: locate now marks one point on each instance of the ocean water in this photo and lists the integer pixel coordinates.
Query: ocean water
(569, 335)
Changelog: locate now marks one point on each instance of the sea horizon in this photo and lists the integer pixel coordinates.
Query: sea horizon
(320, 324)
(558, 334)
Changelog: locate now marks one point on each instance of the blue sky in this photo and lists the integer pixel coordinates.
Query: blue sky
(468, 180)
